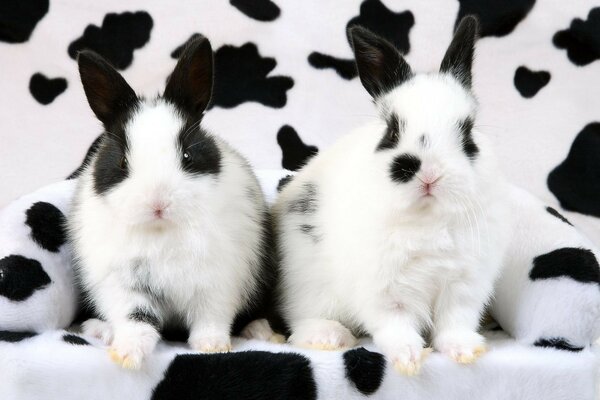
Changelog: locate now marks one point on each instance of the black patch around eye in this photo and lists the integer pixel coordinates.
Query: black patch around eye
(20, 277)
(47, 225)
(557, 343)
(107, 166)
(575, 263)
(260, 10)
(203, 154)
(468, 145)
(145, 315)
(558, 215)
(75, 340)
(404, 167)
(391, 137)
(306, 202)
(365, 369)
(88, 157)
(14, 337)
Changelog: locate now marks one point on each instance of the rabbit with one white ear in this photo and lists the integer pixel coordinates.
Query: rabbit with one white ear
(398, 228)
(169, 224)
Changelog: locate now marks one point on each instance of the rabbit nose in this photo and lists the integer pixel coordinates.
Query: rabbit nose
(159, 208)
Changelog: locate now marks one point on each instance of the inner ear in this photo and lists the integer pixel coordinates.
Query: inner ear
(381, 67)
(458, 59)
(190, 84)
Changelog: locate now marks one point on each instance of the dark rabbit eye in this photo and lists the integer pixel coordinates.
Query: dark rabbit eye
(187, 157)
(123, 164)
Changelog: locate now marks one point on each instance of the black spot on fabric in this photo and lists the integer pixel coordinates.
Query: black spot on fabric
(365, 369)
(20, 277)
(240, 75)
(284, 181)
(578, 264)
(346, 68)
(45, 90)
(496, 17)
(558, 215)
(576, 181)
(529, 82)
(295, 153)
(145, 315)
(117, 38)
(47, 225)
(465, 128)
(18, 18)
(260, 10)
(306, 202)
(557, 343)
(391, 137)
(14, 337)
(404, 167)
(244, 375)
(198, 150)
(88, 157)
(75, 340)
(581, 39)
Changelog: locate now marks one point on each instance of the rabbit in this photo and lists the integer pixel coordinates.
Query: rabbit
(398, 229)
(169, 225)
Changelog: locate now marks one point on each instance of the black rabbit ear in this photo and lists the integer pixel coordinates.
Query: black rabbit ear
(190, 84)
(381, 67)
(458, 60)
(107, 92)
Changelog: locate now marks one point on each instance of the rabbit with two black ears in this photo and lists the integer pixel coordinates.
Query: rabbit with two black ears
(400, 227)
(169, 224)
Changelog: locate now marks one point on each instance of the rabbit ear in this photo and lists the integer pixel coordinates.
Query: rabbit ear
(381, 67)
(107, 92)
(458, 60)
(190, 84)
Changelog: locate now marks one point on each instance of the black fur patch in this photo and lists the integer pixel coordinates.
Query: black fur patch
(145, 315)
(496, 17)
(558, 215)
(578, 264)
(20, 277)
(284, 181)
(306, 203)
(582, 39)
(117, 38)
(529, 82)
(295, 152)
(365, 369)
(47, 225)
(198, 150)
(88, 157)
(391, 137)
(75, 340)
(404, 167)
(45, 90)
(18, 18)
(469, 147)
(260, 10)
(346, 68)
(14, 337)
(244, 375)
(576, 181)
(557, 343)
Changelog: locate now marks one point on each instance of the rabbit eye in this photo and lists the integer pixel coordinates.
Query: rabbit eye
(186, 156)
(123, 163)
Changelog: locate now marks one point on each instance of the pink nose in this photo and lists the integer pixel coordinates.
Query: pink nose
(159, 209)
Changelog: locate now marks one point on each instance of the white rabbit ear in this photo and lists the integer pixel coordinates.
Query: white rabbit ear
(458, 59)
(107, 92)
(381, 67)
(190, 84)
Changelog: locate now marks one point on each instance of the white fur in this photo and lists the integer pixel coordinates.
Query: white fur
(388, 261)
(204, 256)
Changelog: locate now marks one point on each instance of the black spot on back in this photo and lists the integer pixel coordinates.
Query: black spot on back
(244, 375)
(45, 90)
(14, 337)
(496, 17)
(365, 369)
(306, 202)
(529, 82)
(581, 39)
(117, 38)
(557, 343)
(575, 263)
(88, 157)
(469, 147)
(404, 167)
(295, 152)
(47, 225)
(75, 340)
(145, 315)
(284, 181)
(203, 154)
(558, 215)
(18, 18)
(576, 181)
(20, 277)
(346, 68)
(260, 10)
(391, 137)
